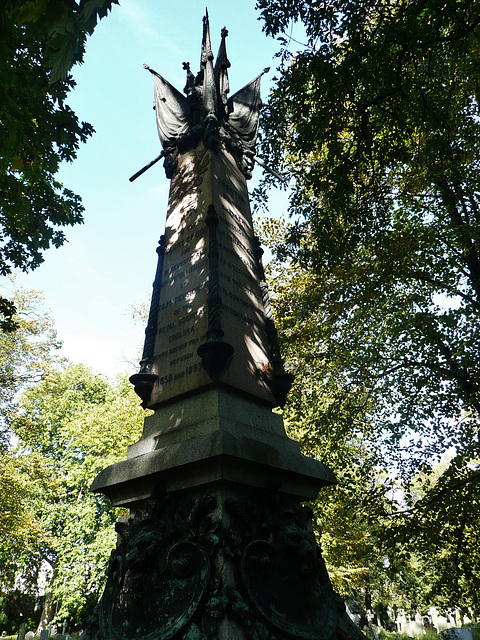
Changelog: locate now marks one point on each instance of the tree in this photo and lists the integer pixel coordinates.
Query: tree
(444, 507)
(60, 424)
(76, 423)
(40, 41)
(23, 481)
(376, 120)
(27, 355)
(376, 526)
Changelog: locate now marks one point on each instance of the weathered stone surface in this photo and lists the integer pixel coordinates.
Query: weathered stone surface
(210, 288)
(219, 565)
(215, 437)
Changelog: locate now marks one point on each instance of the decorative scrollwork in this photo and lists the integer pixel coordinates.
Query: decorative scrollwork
(295, 603)
(285, 586)
(184, 566)
(160, 573)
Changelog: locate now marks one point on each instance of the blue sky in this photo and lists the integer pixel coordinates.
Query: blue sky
(108, 263)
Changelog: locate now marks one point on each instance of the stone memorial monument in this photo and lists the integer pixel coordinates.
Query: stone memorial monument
(217, 544)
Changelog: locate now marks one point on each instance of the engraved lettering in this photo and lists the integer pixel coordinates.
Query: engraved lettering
(244, 287)
(167, 327)
(236, 229)
(241, 272)
(166, 305)
(248, 264)
(238, 299)
(237, 242)
(243, 317)
(186, 356)
(232, 195)
(193, 368)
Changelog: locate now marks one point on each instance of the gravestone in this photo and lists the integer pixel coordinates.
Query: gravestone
(217, 543)
(22, 630)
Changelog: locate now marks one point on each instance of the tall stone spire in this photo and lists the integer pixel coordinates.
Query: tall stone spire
(217, 544)
(209, 142)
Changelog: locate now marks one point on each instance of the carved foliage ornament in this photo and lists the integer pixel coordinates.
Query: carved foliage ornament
(179, 570)
(159, 575)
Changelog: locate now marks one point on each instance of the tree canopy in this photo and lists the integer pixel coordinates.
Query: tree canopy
(60, 424)
(27, 354)
(72, 425)
(401, 525)
(40, 41)
(375, 119)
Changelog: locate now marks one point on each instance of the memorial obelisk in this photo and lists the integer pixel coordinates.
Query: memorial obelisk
(217, 543)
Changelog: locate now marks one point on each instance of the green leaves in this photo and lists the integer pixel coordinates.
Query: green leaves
(40, 41)
(377, 121)
(386, 374)
(75, 423)
(60, 425)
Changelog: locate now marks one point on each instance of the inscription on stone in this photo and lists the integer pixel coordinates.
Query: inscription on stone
(204, 179)
(182, 320)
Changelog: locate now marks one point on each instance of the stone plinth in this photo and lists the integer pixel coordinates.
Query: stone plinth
(210, 438)
(226, 564)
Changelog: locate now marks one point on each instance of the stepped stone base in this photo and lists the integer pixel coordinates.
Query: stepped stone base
(215, 436)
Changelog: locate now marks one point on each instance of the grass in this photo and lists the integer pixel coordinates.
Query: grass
(392, 635)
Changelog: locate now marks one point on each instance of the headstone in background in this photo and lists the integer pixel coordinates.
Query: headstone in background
(22, 630)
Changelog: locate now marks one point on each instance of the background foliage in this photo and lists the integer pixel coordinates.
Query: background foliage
(40, 41)
(375, 119)
(64, 426)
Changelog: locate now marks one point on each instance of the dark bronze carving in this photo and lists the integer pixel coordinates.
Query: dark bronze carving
(215, 357)
(285, 586)
(160, 574)
(179, 569)
(205, 112)
(288, 584)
